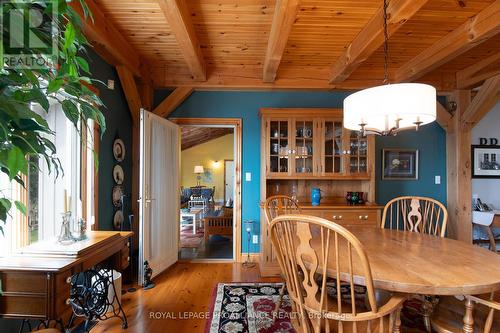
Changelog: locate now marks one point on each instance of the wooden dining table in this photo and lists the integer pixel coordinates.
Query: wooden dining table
(414, 263)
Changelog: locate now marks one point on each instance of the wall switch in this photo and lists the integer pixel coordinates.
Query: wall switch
(248, 176)
(255, 239)
(111, 84)
(437, 180)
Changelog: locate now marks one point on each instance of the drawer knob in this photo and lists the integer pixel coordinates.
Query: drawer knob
(68, 302)
(360, 217)
(128, 259)
(68, 280)
(334, 217)
(366, 217)
(340, 217)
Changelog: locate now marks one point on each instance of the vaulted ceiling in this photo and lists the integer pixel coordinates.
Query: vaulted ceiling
(298, 44)
(192, 135)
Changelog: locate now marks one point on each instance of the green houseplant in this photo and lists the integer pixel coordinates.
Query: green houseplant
(25, 136)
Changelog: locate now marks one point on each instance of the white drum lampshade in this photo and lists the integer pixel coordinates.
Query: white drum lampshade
(390, 108)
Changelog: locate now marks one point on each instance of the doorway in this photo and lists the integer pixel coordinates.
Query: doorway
(210, 193)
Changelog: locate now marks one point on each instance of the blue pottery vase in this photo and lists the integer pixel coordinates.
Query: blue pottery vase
(315, 196)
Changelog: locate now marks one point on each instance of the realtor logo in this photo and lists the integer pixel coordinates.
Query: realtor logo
(30, 34)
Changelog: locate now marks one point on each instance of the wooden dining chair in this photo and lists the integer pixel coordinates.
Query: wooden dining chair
(467, 314)
(417, 214)
(422, 215)
(274, 206)
(308, 265)
(280, 205)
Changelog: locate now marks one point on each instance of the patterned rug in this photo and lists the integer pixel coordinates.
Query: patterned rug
(248, 308)
(190, 240)
(243, 307)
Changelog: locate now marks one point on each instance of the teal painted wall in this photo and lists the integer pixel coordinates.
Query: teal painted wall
(119, 124)
(246, 105)
(430, 141)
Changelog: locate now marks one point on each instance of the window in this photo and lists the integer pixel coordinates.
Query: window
(45, 192)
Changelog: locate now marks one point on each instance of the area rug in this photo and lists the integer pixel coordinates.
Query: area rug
(244, 307)
(248, 308)
(190, 240)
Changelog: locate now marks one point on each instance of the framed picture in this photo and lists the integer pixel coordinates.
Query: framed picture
(485, 161)
(398, 164)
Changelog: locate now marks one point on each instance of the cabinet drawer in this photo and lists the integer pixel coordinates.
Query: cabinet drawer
(351, 217)
(24, 282)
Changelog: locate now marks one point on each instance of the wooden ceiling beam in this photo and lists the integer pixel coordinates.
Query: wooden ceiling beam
(474, 31)
(285, 13)
(179, 19)
(479, 72)
(250, 78)
(107, 41)
(371, 38)
(443, 117)
(484, 101)
(131, 92)
(172, 101)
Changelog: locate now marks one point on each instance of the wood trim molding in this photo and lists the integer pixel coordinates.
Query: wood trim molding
(483, 102)
(285, 13)
(473, 32)
(371, 37)
(107, 40)
(172, 101)
(238, 133)
(479, 72)
(178, 17)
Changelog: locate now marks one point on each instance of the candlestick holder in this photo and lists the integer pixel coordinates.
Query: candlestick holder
(65, 236)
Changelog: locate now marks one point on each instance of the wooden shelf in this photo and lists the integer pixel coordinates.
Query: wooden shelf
(326, 177)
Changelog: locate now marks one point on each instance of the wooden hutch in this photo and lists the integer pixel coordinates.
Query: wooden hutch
(306, 148)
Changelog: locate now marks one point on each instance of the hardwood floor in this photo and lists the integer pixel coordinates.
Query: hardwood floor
(185, 287)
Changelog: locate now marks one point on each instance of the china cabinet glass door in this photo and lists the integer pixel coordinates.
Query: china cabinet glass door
(304, 147)
(279, 147)
(332, 147)
(358, 147)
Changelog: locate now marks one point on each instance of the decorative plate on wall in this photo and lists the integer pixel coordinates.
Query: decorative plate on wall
(117, 195)
(118, 220)
(118, 174)
(119, 150)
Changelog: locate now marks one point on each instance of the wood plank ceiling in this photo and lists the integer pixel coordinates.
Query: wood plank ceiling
(233, 35)
(192, 136)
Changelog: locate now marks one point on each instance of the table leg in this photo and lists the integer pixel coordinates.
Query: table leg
(469, 317)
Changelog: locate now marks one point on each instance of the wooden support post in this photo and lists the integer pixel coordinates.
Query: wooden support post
(134, 102)
(458, 151)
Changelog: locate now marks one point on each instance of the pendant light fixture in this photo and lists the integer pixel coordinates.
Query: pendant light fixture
(390, 108)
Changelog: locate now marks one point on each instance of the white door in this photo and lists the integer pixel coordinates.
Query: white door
(229, 178)
(158, 193)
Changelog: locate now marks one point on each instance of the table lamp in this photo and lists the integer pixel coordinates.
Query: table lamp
(198, 170)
